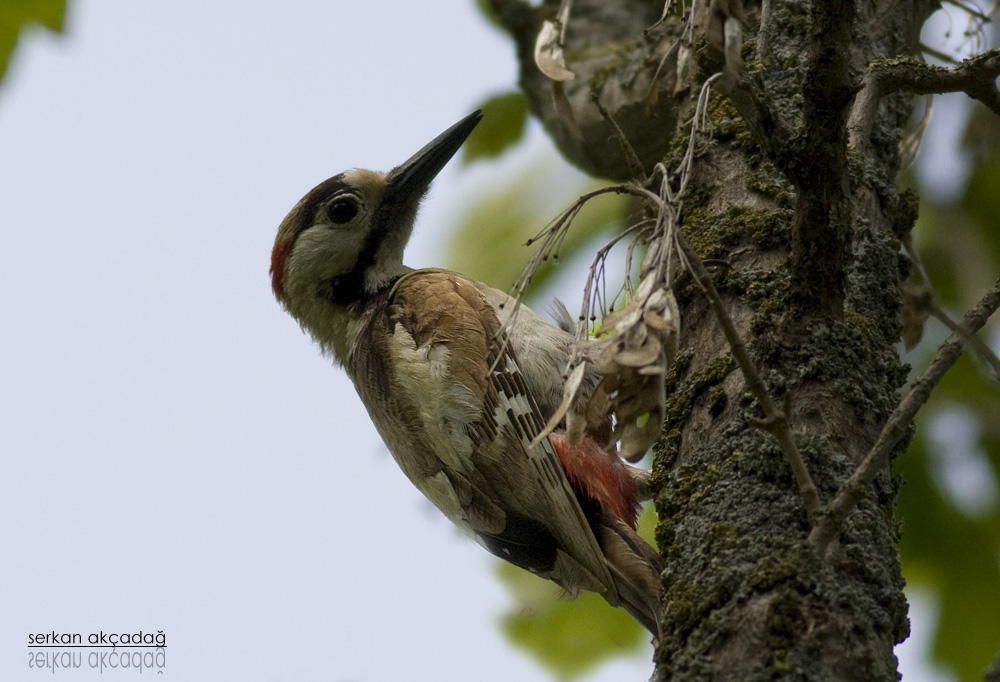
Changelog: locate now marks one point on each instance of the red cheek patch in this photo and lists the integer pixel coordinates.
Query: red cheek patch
(279, 254)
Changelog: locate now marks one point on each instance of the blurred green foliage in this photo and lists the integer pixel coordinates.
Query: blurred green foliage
(16, 15)
(504, 118)
(570, 637)
(950, 547)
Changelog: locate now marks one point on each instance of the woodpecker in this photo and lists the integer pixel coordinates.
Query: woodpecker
(458, 387)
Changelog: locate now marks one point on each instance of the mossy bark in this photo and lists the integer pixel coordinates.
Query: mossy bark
(809, 229)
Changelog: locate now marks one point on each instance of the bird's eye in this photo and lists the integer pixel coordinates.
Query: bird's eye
(342, 209)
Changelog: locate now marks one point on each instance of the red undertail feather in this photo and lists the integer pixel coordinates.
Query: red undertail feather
(595, 473)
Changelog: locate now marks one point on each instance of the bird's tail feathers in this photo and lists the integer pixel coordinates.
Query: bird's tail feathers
(635, 568)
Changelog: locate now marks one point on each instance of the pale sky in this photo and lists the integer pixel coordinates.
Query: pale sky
(178, 457)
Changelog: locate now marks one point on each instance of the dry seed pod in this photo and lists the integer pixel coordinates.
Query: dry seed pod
(633, 357)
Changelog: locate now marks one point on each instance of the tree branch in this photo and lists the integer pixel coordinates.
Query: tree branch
(975, 76)
(921, 299)
(878, 458)
(775, 421)
(985, 353)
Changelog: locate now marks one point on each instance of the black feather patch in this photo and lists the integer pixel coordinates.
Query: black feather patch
(523, 542)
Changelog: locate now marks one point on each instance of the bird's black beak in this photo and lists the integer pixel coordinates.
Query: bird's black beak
(407, 183)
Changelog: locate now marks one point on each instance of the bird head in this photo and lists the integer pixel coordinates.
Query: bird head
(343, 242)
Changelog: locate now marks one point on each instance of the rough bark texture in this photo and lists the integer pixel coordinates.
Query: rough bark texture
(810, 228)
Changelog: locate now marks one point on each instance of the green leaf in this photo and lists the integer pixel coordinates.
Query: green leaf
(569, 638)
(504, 119)
(15, 15)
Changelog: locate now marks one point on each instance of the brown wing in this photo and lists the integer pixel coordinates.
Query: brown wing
(480, 418)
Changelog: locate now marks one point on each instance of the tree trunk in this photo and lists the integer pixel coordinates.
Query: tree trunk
(809, 227)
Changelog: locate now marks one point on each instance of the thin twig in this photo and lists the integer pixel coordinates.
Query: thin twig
(925, 300)
(938, 54)
(970, 9)
(975, 76)
(634, 164)
(985, 353)
(550, 237)
(910, 145)
(899, 422)
(775, 421)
